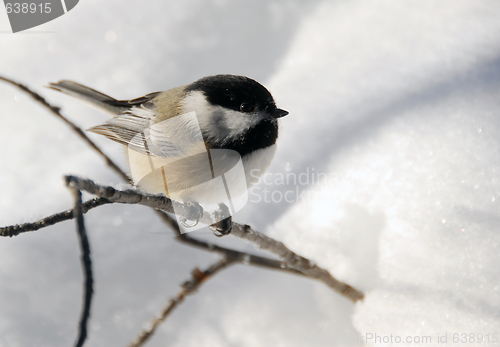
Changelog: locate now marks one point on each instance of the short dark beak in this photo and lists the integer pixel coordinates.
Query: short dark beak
(278, 113)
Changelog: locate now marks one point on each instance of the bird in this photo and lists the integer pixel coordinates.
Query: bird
(208, 141)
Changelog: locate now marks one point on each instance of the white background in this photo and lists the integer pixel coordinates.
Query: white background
(397, 103)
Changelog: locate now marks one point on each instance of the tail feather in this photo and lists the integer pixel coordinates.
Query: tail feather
(96, 98)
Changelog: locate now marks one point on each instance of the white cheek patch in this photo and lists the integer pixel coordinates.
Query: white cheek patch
(218, 123)
(237, 122)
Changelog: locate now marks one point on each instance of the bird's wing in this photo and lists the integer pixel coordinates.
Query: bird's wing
(142, 131)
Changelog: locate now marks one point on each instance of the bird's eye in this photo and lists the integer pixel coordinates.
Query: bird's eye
(246, 107)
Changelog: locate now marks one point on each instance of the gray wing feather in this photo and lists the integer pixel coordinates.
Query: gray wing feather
(137, 129)
(98, 99)
(95, 98)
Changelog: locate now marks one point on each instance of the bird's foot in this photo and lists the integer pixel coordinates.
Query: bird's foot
(224, 226)
(195, 214)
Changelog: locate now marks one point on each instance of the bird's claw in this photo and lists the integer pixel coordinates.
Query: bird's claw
(224, 226)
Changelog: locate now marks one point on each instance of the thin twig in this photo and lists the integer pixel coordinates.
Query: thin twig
(57, 111)
(245, 258)
(14, 230)
(197, 279)
(244, 232)
(294, 260)
(86, 267)
(136, 197)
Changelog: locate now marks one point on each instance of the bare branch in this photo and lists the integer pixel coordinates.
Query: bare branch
(244, 232)
(245, 258)
(132, 196)
(197, 279)
(57, 112)
(14, 230)
(86, 266)
(294, 260)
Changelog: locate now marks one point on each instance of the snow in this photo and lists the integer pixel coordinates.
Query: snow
(386, 173)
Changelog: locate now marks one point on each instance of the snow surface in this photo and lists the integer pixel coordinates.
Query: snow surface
(392, 139)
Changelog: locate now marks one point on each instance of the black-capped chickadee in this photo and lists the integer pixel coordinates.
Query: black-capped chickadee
(207, 141)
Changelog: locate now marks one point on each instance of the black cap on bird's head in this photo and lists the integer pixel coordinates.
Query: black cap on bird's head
(238, 93)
